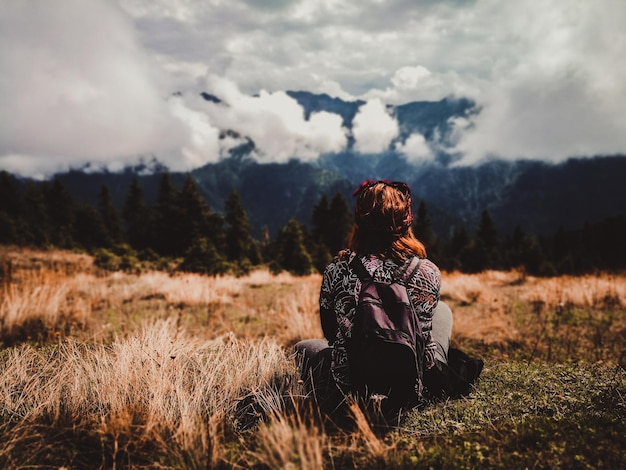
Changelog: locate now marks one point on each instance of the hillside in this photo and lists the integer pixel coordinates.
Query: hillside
(540, 197)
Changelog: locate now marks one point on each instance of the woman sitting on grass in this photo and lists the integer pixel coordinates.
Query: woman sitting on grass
(383, 241)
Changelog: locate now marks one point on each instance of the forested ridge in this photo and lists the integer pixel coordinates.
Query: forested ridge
(181, 231)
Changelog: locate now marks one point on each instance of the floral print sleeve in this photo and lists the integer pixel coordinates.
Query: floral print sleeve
(337, 307)
(327, 314)
(423, 288)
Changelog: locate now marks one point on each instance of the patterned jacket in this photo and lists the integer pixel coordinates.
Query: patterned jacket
(338, 299)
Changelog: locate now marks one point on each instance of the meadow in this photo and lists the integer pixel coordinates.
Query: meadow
(152, 369)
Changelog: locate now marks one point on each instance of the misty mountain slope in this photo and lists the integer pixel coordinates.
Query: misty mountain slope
(571, 194)
(356, 167)
(314, 103)
(431, 117)
(536, 195)
(467, 191)
(418, 116)
(271, 193)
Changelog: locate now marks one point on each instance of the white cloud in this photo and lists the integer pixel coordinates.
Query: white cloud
(415, 149)
(275, 122)
(373, 128)
(565, 99)
(77, 88)
(89, 80)
(420, 84)
(514, 58)
(202, 143)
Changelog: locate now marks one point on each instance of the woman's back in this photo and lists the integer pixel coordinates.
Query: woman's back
(383, 239)
(338, 299)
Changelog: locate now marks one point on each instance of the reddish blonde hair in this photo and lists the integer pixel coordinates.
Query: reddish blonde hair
(383, 218)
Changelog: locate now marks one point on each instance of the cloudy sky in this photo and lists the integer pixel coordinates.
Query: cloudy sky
(94, 80)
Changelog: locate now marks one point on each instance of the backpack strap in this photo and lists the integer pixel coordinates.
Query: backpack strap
(357, 266)
(411, 268)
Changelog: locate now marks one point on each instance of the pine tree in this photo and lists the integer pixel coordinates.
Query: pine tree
(424, 232)
(10, 195)
(423, 225)
(536, 261)
(137, 217)
(266, 245)
(516, 248)
(611, 232)
(10, 208)
(36, 230)
(201, 232)
(202, 257)
(60, 209)
(196, 219)
(320, 238)
(457, 249)
(110, 215)
(487, 232)
(340, 223)
(292, 255)
(167, 231)
(8, 229)
(240, 246)
(561, 255)
(90, 232)
(487, 247)
(321, 219)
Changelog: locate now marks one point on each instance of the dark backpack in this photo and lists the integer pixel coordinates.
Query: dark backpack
(386, 348)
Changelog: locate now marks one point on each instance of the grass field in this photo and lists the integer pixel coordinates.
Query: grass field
(158, 370)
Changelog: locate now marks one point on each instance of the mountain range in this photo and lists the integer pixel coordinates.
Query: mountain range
(538, 196)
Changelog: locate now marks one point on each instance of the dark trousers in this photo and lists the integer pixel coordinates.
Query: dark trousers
(314, 360)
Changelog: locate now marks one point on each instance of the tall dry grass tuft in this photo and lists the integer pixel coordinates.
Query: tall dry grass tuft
(157, 391)
(298, 312)
(289, 441)
(183, 288)
(584, 291)
(376, 448)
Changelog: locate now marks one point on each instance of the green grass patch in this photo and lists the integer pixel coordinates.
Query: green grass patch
(523, 415)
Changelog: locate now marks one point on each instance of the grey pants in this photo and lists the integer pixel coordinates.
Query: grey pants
(442, 330)
(315, 356)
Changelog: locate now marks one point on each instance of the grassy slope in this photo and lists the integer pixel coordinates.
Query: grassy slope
(140, 371)
(530, 416)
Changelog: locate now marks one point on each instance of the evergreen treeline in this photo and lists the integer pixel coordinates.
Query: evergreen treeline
(180, 230)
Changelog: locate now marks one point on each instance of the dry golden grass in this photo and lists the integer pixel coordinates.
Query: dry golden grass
(141, 391)
(508, 308)
(288, 441)
(491, 286)
(42, 302)
(59, 294)
(22, 260)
